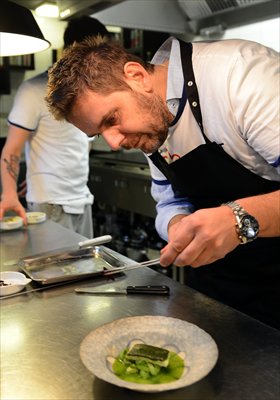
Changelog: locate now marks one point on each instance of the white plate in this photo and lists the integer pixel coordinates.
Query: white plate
(36, 217)
(12, 222)
(201, 352)
(14, 282)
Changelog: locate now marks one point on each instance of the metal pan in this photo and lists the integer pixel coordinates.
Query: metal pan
(69, 265)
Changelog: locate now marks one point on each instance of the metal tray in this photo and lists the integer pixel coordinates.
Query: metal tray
(52, 267)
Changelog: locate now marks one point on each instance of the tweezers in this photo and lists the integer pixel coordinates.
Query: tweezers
(130, 267)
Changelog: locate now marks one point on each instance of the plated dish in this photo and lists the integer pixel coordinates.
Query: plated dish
(36, 217)
(201, 352)
(10, 223)
(15, 222)
(12, 282)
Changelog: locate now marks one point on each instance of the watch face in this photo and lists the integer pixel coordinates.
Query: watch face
(249, 227)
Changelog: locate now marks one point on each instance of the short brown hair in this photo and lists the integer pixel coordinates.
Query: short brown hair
(95, 64)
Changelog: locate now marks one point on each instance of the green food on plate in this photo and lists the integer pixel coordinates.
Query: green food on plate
(148, 365)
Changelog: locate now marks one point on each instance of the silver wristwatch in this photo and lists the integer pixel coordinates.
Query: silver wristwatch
(247, 227)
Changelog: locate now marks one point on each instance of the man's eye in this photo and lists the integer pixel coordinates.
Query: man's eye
(112, 120)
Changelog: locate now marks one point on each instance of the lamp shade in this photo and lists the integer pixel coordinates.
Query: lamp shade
(19, 31)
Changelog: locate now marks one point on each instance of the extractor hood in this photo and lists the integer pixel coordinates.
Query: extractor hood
(222, 14)
(188, 16)
(171, 16)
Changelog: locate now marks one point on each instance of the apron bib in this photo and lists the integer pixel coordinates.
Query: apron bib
(248, 278)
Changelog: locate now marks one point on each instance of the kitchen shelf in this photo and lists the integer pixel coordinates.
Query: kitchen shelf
(23, 62)
(8, 64)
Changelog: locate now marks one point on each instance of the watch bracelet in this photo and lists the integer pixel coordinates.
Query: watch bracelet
(237, 208)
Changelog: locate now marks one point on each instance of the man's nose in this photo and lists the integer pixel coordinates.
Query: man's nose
(113, 138)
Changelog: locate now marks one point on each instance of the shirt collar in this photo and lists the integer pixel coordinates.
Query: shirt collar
(170, 50)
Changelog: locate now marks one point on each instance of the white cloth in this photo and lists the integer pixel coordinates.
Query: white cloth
(238, 85)
(56, 155)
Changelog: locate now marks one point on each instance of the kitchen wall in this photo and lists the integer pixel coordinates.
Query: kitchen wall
(265, 32)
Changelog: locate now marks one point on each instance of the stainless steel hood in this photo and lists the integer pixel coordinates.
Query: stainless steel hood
(209, 16)
(188, 16)
(171, 16)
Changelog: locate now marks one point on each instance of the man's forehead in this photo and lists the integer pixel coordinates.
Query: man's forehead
(88, 111)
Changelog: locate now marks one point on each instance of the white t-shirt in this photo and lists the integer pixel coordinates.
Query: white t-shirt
(57, 155)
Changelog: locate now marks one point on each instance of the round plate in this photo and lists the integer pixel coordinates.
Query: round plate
(13, 282)
(201, 352)
(36, 217)
(9, 223)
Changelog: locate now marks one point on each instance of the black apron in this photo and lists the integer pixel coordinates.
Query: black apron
(248, 278)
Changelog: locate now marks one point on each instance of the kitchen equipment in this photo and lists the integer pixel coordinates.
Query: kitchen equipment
(70, 263)
(96, 241)
(148, 289)
(66, 254)
(129, 267)
(76, 263)
(92, 261)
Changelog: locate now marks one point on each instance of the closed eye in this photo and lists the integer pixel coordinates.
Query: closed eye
(110, 119)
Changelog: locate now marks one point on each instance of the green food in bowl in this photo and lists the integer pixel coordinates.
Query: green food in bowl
(148, 365)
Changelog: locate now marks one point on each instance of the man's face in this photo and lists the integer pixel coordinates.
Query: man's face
(125, 119)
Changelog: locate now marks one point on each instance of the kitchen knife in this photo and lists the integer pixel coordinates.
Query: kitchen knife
(149, 289)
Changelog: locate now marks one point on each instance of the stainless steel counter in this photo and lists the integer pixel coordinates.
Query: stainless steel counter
(41, 333)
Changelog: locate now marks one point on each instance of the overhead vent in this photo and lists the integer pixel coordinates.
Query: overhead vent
(212, 17)
(205, 8)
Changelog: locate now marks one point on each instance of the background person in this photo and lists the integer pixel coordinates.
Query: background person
(56, 153)
(207, 115)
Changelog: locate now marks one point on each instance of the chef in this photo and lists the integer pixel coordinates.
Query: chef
(207, 117)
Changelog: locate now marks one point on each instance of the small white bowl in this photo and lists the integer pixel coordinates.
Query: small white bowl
(13, 282)
(35, 217)
(12, 222)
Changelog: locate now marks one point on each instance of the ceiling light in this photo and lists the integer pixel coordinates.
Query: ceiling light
(47, 10)
(19, 31)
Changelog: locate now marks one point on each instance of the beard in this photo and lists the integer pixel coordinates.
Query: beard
(157, 117)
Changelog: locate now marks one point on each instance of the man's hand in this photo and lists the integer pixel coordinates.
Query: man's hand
(200, 238)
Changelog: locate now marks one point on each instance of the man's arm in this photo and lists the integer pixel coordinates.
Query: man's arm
(10, 164)
(209, 234)
(167, 205)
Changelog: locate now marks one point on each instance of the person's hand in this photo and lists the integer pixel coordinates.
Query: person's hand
(22, 189)
(12, 204)
(200, 238)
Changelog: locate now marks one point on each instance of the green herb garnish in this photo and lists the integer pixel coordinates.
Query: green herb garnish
(148, 365)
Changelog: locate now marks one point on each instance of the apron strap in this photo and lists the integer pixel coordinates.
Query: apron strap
(182, 104)
(190, 84)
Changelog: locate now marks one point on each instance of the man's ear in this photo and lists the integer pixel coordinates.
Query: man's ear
(137, 77)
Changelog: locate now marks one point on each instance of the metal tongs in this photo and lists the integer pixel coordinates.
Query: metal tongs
(130, 267)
